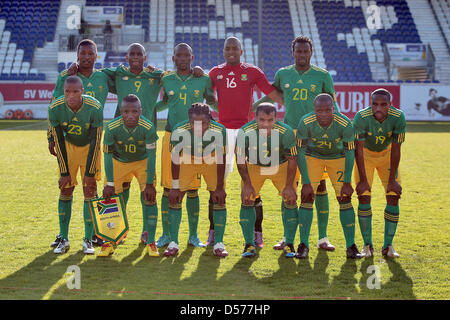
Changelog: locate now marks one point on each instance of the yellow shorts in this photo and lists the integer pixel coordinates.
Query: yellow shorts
(381, 161)
(324, 175)
(190, 175)
(76, 158)
(277, 174)
(166, 166)
(335, 169)
(125, 171)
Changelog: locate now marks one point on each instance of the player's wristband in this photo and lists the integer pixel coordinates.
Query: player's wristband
(110, 184)
(175, 184)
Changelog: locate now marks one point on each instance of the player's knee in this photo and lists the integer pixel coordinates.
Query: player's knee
(344, 199)
(126, 185)
(89, 192)
(192, 193)
(166, 192)
(392, 200)
(67, 192)
(364, 199)
(322, 186)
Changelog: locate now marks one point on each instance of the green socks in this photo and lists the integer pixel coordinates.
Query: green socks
(391, 214)
(150, 216)
(165, 212)
(220, 220)
(64, 213)
(88, 225)
(174, 221)
(322, 208)
(290, 222)
(347, 217)
(305, 218)
(247, 221)
(193, 210)
(365, 222)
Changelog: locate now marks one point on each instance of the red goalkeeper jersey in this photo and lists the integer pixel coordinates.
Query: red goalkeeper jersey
(234, 86)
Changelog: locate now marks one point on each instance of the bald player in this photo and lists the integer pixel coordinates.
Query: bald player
(234, 82)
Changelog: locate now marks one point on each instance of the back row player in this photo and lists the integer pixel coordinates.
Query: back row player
(300, 84)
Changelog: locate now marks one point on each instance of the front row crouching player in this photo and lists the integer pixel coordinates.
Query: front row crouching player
(198, 149)
(130, 150)
(380, 131)
(266, 149)
(76, 123)
(326, 140)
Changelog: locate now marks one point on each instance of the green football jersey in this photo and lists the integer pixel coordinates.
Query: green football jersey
(263, 150)
(180, 92)
(214, 139)
(146, 86)
(129, 144)
(97, 85)
(325, 143)
(300, 89)
(76, 126)
(378, 136)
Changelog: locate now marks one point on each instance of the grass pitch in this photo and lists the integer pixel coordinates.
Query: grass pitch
(29, 223)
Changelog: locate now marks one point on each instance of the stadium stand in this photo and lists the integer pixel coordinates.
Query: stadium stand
(343, 42)
(24, 26)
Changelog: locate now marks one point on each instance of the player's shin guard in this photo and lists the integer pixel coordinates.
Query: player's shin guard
(64, 212)
(220, 220)
(247, 221)
(305, 218)
(347, 217)
(322, 208)
(290, 222)
(391, 214)
(150, 216)
(174, 221)
(88, 225)
(193, 210)
(165, 212)
(365, 222)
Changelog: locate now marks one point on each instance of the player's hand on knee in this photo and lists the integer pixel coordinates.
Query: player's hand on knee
(307, 194)
(73, 69)
(219, 196)
(51, 148)
(63, 181)
(175, 196)
(362, 187)
(108, 192)
(394, 186)
(248, 194)
(346, 190)
(150, 193)
(289, 195)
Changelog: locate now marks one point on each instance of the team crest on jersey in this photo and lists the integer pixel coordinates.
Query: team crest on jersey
(380, 130)
(286, 85)
(231, 73)
(119, 142)
(74, 119)
(130, 139)
(219, 77)
(100, 88)
(389, 133)
(196, 93)
(87, 125)
(183, 87)
(140, 142)
(125, 78)
(151, 80)
(89, 84)
(244, 77)
(313, 87)
(171, 93)
(300, 81)
(338, 139)
(64, 124)
(325, 136)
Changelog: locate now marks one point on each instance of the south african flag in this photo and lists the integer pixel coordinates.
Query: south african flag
(109, 218)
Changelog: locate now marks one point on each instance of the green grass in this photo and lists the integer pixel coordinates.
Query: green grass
(29, 223)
